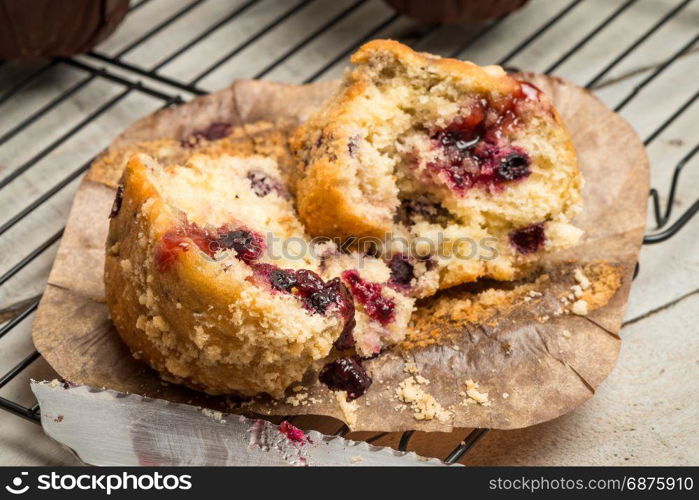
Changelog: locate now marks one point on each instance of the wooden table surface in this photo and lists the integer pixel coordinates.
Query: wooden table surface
(55, 121)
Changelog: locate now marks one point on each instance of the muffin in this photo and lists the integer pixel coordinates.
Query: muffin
(211, 279)
(452, 171)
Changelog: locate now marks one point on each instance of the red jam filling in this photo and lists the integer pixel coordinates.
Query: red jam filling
(476, 148)
(292, 433)
(247, 244)
(317, 296)
(168, 249)
(377, 307)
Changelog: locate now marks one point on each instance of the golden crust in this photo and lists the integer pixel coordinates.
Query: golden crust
(262, 138)
(480, 78)
(323, 188)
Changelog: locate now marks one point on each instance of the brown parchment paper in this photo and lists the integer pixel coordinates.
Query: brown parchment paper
(535, 363)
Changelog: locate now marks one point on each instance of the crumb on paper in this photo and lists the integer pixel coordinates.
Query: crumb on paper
(356, 459)
(424, 405)
(348, 408)
(410, 368)
(483, 308)
(475, 395)
(582, 279)
(297, 399)
(579, 307)
(216, 415)
(421, 380)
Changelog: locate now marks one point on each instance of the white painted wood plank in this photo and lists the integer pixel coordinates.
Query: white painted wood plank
(393, 31)
(225, 39)
(181, 32)
(643, 414)
(35, 95)
(139, 23)
(669, 271)
(274, 43)
(512, 31)
(585, 64)
(326, 46)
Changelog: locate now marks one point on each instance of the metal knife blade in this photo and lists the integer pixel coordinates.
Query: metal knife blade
(104, 427)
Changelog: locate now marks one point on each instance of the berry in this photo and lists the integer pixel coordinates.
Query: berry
(420, 206)
(475, 148)
(528, 239)
(282, 279)
(346, 374)
(262, 184)
(513, 166)
(317, 295)
(402, 271)
(309, 282)
(321, 300)
(215, 131)
(247, 244)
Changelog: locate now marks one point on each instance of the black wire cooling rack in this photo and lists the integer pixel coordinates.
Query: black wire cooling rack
(154, 81)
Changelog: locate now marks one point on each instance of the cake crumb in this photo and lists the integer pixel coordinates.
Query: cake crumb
(356, 459)
(216, 415)
(348, 408)
(421, 380)
(297, 399)
(579, 307)
(424, 405)
(410, 368)
(505, 395)
(475, 395)
(581, 279)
